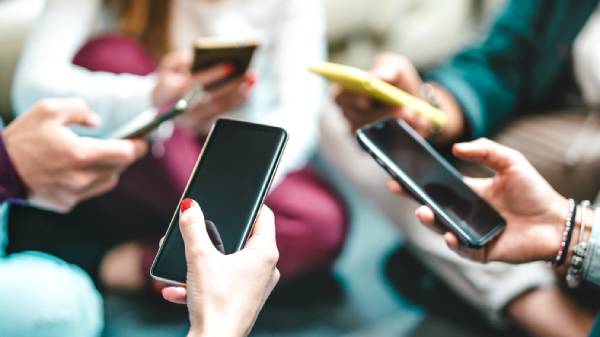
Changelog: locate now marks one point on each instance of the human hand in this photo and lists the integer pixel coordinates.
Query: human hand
(225, 293)
(58, 167)
(534, 212)
(224, 98)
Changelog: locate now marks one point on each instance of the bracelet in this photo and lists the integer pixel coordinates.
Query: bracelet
(575, 272)
(428, 93)
(567, 234)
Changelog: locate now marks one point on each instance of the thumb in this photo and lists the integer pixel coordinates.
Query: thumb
(75, 112)
(193, 230)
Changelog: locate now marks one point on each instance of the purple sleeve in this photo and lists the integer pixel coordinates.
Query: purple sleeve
(11, 186)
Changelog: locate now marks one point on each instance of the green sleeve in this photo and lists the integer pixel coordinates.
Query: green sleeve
(487, 79)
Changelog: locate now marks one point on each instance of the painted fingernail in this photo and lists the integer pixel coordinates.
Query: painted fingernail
(228, 69)
(251, 79)
(186, 204)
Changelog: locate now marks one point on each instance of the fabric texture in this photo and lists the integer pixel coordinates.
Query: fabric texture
(11, 185)
(523, 64)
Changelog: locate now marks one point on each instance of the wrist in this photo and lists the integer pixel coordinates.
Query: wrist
(556, 224)
(454, 127)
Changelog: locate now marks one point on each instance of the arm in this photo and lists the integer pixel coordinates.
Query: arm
(591, 266)
(46, 69)
(488, 79)
(11, 186)
(300, 42)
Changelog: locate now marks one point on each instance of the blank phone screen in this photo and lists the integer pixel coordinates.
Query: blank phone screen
(434, 176)
(229, 184)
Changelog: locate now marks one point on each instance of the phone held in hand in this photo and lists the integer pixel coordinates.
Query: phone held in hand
(209, 52)
(230, 182)
(431, 179)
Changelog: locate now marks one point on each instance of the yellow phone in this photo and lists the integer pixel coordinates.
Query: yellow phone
(361, 82)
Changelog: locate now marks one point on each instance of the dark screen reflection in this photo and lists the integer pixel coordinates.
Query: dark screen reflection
(431, 175)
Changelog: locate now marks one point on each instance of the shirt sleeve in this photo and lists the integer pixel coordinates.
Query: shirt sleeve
(46, 68)
(300, 96)
(11, 186)
(487, 79)
(591, 262)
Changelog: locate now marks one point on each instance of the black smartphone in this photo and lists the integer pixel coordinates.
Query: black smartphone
(209, 52)
(230, 181)
(431, 179)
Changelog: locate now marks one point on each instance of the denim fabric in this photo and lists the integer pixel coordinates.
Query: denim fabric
(591, 263)
(42, 296)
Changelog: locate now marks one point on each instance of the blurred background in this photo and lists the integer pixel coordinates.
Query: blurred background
(362, 297)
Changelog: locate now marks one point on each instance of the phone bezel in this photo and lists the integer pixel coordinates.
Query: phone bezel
(249, 229)
(466, 235)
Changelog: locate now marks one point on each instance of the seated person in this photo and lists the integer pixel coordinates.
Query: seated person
(43, 161)
(541, 225)
(124, 57)
(523, 64)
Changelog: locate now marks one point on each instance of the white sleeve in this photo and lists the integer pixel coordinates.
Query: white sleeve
(46, 69)
(299, 42)
(586, 51)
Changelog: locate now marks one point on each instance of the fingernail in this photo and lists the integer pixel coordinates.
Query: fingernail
(251, 79)
(186, 204)
(229, 69)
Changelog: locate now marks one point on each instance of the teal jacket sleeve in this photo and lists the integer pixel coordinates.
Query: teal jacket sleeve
(487, 78)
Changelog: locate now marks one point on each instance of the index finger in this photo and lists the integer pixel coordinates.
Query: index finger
(111, 153)
(213, 74)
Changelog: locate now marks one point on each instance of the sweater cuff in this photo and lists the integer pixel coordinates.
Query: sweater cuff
(467, 98)
(12, 187)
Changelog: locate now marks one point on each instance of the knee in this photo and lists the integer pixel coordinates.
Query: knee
(115, 54)
(47, 298)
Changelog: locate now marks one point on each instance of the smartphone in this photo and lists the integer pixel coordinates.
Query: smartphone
(364, 83)
(210, 52)
(230, 181)
(431, 179)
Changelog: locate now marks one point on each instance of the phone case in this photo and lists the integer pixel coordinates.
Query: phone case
(359, 81)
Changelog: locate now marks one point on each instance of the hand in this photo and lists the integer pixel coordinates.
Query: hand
(225, 293)
(400, 72)
(58, 167)
(224, 98)
(535, 213)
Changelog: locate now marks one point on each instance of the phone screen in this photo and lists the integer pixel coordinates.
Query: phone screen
(430, 173)
(230, 182)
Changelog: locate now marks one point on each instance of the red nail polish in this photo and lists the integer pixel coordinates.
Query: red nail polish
(251, 79)
(229, 69)
(186, 204)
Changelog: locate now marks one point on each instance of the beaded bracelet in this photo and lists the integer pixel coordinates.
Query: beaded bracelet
(575, 272)
(567, 234)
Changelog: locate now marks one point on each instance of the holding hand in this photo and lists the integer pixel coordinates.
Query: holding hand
(535, 213)
(58, 167)
(400, 72)
(175, 79)
(225, 293)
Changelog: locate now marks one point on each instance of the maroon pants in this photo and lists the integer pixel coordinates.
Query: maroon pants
(311, 219)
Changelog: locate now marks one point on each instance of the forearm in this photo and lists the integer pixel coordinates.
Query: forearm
(11, 186)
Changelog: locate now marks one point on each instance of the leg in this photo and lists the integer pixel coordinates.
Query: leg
(311, 223)
(43, 296)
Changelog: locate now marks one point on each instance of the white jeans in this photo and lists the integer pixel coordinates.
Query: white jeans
(488, 287)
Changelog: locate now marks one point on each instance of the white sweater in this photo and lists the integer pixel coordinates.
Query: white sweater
(292, 35)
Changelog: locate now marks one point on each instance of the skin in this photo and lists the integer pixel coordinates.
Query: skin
(58, 167)
(225, 293)
(174, 80)
(535, 215)
(399, 71)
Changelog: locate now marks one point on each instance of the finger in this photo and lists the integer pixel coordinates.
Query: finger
(452, 241)
(228, 89)
(427, 218)
(109, 153)
(71, 111)
(179, 61)
(479, 185)
(213, 74)
(488, 153)
(263, 234)
(193, 230)
(103, 184)
(394, 186)
(397, 70)
(175, 295)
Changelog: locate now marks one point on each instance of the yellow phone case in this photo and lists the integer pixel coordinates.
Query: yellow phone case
(361, 82)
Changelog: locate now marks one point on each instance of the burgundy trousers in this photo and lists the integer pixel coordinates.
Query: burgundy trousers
(311, 219)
